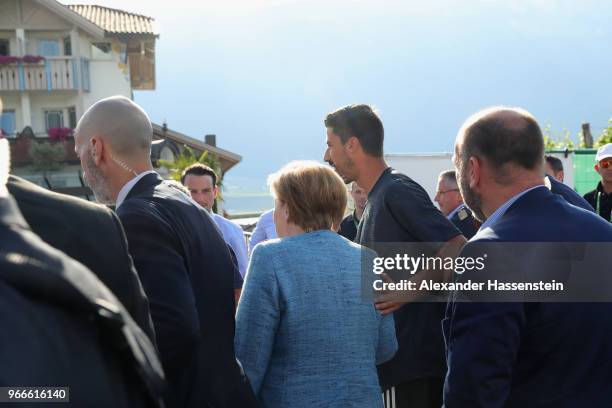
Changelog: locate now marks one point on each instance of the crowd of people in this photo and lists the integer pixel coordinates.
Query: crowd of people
(159, 302)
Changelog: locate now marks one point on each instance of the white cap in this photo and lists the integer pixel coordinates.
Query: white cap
(604, 152)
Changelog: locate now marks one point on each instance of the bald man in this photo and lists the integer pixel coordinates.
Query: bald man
(60, 325)
(509, 352)
(184, 265)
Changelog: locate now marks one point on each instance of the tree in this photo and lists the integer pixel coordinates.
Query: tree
(606, 135)
(561, 141)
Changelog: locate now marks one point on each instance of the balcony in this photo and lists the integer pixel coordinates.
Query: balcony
(51, 74)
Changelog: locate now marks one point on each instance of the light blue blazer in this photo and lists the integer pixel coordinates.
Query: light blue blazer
(304, 335)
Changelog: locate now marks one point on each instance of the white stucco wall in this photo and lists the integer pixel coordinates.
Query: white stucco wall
(422, 168)
(425, 168)
(108, 75)
(40, 102)
(106, 80)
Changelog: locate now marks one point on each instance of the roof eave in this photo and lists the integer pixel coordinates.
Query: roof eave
(188, 140)
(73, 17)
(121, 36)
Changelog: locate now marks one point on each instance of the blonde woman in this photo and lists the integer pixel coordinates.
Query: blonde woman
(304, 335)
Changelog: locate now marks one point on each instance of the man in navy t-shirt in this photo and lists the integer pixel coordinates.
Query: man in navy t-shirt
(398, 210)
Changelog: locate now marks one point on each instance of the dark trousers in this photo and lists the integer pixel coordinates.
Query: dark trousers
(423, 393)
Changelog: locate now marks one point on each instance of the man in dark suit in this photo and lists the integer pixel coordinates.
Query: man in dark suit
(451, 204)
(185, 266)
(514, 353)
(59, 325)
(89, 233)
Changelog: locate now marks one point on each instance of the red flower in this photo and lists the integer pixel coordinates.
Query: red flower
(59, 134)
(8, 59)
(32, 59)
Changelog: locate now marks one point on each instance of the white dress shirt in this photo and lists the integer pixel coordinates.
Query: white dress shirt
(233, 236)
(264, 230)
(455, 211)
(125, 190)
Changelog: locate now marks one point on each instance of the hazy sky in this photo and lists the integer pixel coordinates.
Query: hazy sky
(262, 74)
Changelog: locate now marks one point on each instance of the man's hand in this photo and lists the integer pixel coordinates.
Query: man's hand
(389, 301)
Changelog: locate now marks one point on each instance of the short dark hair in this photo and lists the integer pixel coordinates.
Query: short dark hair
(503, 136)
(360, 121)
(199, 169)
(555, 163)
(450, 176)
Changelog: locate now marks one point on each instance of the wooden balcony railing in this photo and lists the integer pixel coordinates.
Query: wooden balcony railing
(52, 74)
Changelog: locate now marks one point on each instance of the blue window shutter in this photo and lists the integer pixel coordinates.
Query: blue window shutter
(7, 123)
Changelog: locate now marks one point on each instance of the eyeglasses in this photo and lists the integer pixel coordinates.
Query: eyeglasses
(604, 164)
(446, 191)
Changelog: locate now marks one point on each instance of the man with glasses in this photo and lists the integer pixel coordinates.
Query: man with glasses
(601, 197)
(451, 204)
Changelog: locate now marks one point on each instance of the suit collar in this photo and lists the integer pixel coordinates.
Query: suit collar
(535, 196)
(508, 205)
(137, 185)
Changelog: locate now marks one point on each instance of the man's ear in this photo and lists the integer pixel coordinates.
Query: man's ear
(97, 150)
(596, 167)
(216, 192)
(352, 145)
(474, 171)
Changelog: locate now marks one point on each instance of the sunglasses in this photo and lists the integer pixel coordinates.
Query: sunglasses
(604, 164)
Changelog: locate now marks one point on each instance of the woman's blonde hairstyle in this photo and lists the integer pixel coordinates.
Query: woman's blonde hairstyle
(314, 194)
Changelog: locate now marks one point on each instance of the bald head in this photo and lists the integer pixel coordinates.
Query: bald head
(506, 138)
(124, 125)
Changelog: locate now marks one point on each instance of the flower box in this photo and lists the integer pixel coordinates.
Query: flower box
(26, 59)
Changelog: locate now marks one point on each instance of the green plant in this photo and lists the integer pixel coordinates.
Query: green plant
(47, 156)
(558, 142)
(606, 135)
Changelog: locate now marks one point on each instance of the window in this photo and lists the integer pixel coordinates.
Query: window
(5, 48)
(7, 122)
(49, 48)
(101, 51)
(72, 119)
(67, 46)
(54, 119)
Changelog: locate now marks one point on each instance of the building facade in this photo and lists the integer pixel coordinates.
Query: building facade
(55, 62)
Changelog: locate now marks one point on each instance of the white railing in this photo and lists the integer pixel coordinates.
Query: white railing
(52, 74)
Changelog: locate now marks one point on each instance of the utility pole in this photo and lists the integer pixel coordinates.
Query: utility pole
(587, 137)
